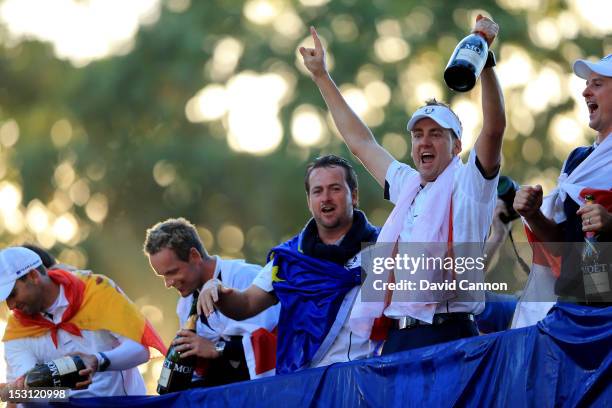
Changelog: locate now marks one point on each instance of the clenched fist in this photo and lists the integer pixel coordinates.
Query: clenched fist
(528, 201)
(487, 27)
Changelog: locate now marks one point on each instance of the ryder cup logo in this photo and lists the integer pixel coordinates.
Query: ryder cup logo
(429, 110)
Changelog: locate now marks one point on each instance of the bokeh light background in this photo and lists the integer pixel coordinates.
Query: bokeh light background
(117, 114)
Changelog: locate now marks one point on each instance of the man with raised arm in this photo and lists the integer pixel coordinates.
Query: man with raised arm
(442, 200)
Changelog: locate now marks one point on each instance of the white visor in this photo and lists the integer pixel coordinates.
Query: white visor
(15, 262)
(439, 114)
(584, 68)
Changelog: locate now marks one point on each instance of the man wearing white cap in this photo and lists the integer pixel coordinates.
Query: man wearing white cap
(56, 312)
(442, 200)
(564, 215)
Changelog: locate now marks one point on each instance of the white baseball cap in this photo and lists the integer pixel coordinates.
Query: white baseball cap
(442, 115)
(15, 262)
(584, 68)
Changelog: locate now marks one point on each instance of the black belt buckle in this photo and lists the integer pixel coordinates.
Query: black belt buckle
(408, 322)
(441, 318)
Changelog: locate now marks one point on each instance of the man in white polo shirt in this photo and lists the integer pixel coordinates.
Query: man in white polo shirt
(57, 312)
(227, 351)
(442, 200)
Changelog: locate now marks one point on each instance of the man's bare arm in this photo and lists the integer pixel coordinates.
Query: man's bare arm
(489, 143)
(355, 133)
(233, 303)
(527, 203)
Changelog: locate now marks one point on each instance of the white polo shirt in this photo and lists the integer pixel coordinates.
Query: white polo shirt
(237, 274)
(234, 273)
(23, 354)
(474, 199)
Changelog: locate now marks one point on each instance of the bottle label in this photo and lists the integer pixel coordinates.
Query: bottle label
(55, 374)
(472, 47)
(65, 365)
(183, 369)
(169, 368)
(596, 279)
(471, 54)
(164, 377)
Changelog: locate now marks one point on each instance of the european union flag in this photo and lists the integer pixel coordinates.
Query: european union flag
(310, 291)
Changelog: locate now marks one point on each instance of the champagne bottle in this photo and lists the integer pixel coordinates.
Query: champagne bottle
(62, 372)
(594, 270)
(466, 63)
(177, 372)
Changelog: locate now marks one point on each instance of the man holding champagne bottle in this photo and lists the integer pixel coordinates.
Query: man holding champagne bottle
(217, 350)
(71, 329)
(567, 214)
(441, 201)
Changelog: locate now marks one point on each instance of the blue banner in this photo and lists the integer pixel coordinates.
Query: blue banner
(564, 361)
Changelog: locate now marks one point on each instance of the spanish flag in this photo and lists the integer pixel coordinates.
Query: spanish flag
(95, 303)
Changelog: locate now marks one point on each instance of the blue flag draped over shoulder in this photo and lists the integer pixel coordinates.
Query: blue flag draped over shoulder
(310, 291)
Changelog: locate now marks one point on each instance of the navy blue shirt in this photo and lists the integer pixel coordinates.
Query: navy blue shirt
(570, 280)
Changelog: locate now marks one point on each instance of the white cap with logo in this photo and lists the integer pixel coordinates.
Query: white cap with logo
(440, 114)
(584, 68)
(15, 262)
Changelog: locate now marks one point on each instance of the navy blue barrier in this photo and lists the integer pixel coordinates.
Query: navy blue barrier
(565, 361)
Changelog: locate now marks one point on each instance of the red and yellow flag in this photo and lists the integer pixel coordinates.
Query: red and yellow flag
(95, 303)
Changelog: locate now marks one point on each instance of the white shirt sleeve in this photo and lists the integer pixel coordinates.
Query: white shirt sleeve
(396, 177)
(127, 354)
(473, 184)
(183, 306)
(242, 276)
(19, 358)
(263, 280)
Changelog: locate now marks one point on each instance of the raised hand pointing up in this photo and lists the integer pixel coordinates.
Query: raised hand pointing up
(314, 58)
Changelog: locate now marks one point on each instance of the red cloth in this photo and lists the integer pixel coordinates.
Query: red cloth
(602, 197)
(541, 255)
(73, 289)
(264, 348)
(94, 303)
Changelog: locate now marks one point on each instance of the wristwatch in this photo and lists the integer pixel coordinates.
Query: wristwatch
(220, 347)
(491, 62)
(103, 362)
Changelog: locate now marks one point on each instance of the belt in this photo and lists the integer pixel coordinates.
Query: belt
(407, 322)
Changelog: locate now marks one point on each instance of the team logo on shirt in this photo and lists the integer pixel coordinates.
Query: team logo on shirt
(353, 262)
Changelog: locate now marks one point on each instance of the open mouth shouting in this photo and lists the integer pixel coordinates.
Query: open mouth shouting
(592, 106)
(327, 209)
(427, 158)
